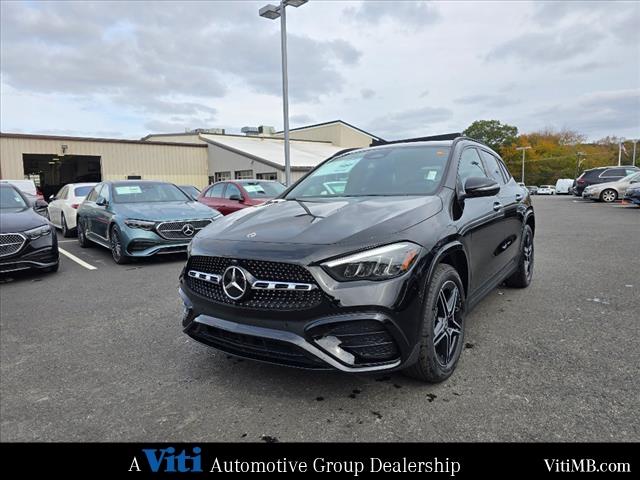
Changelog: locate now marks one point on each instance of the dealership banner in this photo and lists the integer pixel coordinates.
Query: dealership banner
(357, 460)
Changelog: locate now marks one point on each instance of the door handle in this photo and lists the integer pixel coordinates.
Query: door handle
(519, 197)
(497, 206)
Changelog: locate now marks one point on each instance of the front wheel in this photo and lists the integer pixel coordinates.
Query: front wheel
(522, 277)
(442, 331)
(609, 195)
(117, 251)
(65, 229)
(82, 234)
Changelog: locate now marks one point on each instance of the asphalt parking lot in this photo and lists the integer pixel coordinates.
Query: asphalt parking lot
(98, 355)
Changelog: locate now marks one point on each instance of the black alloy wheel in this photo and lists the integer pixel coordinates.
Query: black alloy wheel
(82, 234)
(442, 330)
(523, 276)
(117, 251)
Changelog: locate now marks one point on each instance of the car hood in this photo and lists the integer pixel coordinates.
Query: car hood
(323, 222)
(163, 211)
(19, 220)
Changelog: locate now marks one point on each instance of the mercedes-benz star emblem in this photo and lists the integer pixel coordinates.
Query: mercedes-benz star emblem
(234, 283)
(188, 230)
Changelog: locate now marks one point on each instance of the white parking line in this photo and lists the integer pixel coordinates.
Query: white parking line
(77, 260)
(67, 241)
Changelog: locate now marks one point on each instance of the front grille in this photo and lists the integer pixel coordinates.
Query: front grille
(11, 243)
(258, 348)
(173, 230)
(262, 270)
(367, 340)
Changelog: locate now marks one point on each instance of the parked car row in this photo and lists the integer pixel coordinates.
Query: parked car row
(599, 175)
(27, 239)
(609, 192)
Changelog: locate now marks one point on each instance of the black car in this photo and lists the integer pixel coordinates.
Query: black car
(594, 176)
(27, 239)
(376, 277)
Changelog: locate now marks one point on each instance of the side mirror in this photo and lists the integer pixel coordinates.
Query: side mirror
(101, 202)
(480, 187)
(40, 204)
(52, 198)
(236, 198)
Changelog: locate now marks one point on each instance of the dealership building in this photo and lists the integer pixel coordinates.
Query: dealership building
(198, 157)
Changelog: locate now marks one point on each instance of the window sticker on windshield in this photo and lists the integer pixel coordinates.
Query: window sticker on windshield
(441, 153)
(128, 190)
(340, 166)
(432, 174)
(254, 188)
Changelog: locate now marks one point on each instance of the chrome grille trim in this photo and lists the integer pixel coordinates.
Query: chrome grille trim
(207, 277)
(269, 285)
(172, 229)
(11, 243)
(255, 284)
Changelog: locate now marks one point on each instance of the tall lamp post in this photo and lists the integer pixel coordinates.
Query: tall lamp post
(524, 149)
(272, 12)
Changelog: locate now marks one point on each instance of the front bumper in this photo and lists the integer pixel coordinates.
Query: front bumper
(354, 329)
(633, 198)
(145, 243)
(589, 195)
(35, 254)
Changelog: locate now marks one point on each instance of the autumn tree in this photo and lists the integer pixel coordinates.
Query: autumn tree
(493, 133)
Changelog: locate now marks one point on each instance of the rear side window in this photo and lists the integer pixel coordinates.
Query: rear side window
(470, 165)
(492, 167)
(94, 193)
(614, 172)
(215, 191)
(82, 191)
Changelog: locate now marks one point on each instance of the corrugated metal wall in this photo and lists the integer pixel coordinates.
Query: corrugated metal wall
(183, 165)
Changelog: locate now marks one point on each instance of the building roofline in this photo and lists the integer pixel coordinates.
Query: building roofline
(168, 135)
(236, 135)
(96, 139)
(331, 122)
(255, 157)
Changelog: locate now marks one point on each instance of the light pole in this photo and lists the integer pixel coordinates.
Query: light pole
(620, 151)
(524, 149)
(272, 12)
(579, 161)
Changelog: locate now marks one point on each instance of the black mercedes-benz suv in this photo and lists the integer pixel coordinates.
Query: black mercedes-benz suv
(368, 263)
(27, 239)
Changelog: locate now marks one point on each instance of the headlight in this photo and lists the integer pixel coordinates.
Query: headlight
(38, 232)
(142, 224)
(379, 263)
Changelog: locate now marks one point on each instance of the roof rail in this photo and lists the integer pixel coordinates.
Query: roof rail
(432, 138)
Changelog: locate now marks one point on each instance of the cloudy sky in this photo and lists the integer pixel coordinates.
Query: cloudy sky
(397, 69)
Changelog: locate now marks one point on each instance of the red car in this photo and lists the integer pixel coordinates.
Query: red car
(232, 195)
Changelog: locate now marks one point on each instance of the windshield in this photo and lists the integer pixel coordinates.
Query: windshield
(11, 199)
(82, 191)
(148, 193)
(631, 177)
(383, 172)
(190, 190)
(263, 189)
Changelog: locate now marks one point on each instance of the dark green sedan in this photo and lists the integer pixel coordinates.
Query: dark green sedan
(136, 218)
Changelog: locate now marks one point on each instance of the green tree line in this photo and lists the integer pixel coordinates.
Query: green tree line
(553, 154)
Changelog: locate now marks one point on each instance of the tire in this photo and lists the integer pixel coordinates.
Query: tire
(609, 195)
(82, 234)
(442, 332)
(117, 251)
(522, 277)
(65, 230)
